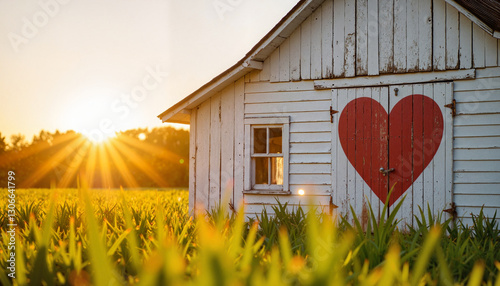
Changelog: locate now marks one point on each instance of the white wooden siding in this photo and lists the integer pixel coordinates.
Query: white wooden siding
(476, 149)
(219, 170)
(346, 38)
(239, 140)
(216, 150)
(310, 137)
(202, 157)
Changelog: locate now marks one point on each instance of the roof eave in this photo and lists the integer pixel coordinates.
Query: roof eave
(172, 115)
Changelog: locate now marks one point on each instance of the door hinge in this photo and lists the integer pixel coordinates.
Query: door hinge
(332, 112)
(453, 106)
(452, 211)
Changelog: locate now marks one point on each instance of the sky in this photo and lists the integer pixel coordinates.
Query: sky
(100, 66)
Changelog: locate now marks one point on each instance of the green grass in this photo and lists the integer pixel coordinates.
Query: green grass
(113, 237)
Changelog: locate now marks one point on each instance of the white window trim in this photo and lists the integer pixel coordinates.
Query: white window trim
(250, 122)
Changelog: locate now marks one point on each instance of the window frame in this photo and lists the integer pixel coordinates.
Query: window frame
(255, 122)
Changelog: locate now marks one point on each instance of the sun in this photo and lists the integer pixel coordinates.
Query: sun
(90, 113)
(98, 137)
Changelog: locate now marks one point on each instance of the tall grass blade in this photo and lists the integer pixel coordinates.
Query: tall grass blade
(425, 255)
(104, 274)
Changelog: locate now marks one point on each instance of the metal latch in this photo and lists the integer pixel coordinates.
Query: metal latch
(385, 172)
(332, 112)
(453, 106)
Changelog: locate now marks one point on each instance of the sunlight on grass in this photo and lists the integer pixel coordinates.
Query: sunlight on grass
(106, 237)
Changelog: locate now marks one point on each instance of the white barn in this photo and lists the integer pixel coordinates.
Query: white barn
(344, 99)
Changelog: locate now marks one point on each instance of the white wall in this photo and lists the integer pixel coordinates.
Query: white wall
(476, 148)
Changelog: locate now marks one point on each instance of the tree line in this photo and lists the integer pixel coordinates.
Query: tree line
(156, 158)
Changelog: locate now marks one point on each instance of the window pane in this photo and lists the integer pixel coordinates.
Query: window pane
(275, 140)
(261, 170)
(259, 140)
(277, 170)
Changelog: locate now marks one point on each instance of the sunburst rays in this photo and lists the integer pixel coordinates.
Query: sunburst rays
(54, 162)
(121, 166)
(140, 163)
(119, 159)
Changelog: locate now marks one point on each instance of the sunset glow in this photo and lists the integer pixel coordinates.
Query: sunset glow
(98, 137)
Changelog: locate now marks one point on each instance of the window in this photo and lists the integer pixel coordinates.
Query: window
(267, 154)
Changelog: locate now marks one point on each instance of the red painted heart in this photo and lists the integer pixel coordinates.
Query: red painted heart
(407, 139)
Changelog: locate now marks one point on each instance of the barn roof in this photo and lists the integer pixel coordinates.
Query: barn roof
(484, 13)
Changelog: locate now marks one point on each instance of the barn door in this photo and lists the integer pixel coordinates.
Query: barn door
(392, 137)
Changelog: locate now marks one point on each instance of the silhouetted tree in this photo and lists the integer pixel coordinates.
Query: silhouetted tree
(3, 144)
(163, 151)
(17, 142)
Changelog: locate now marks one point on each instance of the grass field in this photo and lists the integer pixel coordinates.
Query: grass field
(111, 237)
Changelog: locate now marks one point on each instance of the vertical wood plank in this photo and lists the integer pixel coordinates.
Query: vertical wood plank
(448, 137)
(425, 35)
(477, 46)
(227, 144)
(352, 175)
(452, 40)
(285, 60)
(439, 34)
(275, 65)
(385, 102)
(286, 159)
(239, 142)
(192, 159)
(305, 49)
(465, 42)
(400, 36)
(373, 52)
(397, 144)
(265, 73)
(202, 156)
(428, 174)
(357, 204)
(407, 206)
(327, 39)
(439, 161)
(338, 38)
(365, 191)
(336, 187)
(247, 179)
(412, 25)
(316, 44)
(386, 36)
(295, 55)
(362, 37)
(350, 38)
(215, 123)
(377, 146)
(418, 131)
(490, 51)
(342, 163)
